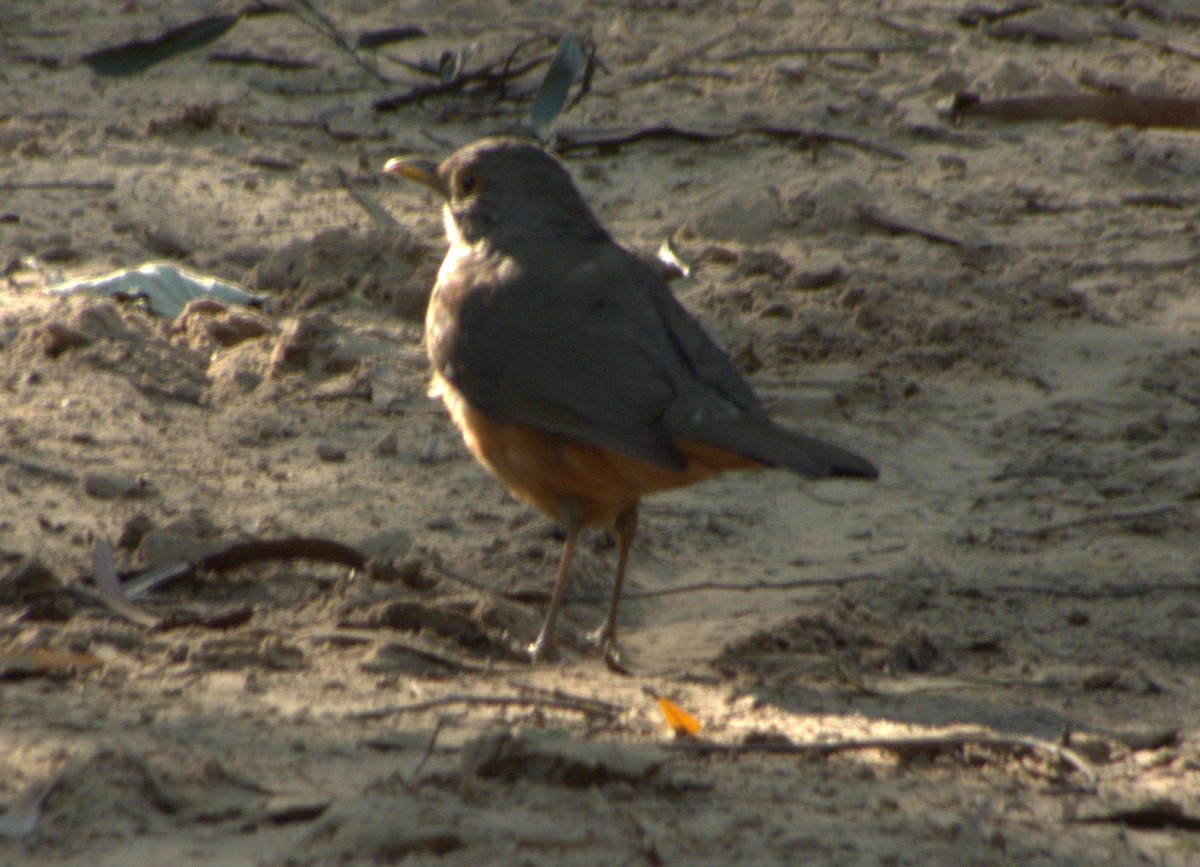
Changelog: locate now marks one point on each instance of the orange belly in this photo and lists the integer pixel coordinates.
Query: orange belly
(546, 469)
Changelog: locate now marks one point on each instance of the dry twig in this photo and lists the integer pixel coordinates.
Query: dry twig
(877, 220)
(788, 50)
(902, 745)
(101, 186)
(583, 706)
(605, 141)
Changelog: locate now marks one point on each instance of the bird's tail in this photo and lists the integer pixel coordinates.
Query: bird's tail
(766, 442)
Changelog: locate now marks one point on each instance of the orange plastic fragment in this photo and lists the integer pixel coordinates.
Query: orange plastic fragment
(681, 722)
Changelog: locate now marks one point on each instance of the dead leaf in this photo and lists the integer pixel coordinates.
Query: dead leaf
(45, 663)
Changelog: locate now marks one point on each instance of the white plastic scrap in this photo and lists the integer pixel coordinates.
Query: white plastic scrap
(164, 287)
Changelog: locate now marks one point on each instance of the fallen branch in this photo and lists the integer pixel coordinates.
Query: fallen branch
(249, 58)
(291, 548)
(241, 554)
(877, 220)
(323, 25)
(1114, 109)
(586, 707)
(568, 141)
(1123, 592)
(485, 76)
(102, 186)
(1062, 474)
(433, 738)
(901, 745)
(787, 51)
(507, 71)
(603, 707)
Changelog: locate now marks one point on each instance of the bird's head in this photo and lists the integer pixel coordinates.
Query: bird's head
(501, 188)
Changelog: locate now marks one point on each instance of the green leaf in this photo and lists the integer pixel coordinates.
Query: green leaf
(451, 65)
(131, 58)
(564, 69)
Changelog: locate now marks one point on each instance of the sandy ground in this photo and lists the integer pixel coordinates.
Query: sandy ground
(1023, 366)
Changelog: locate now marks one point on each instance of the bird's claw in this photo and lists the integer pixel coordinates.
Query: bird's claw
(604, 639)
(543, 649)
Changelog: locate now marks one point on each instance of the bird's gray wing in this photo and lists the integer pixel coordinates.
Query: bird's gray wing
(580, 351)
(603, 353)
(716, 406)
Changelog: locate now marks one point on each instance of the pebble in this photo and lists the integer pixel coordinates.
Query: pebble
(113, 486)
(330, 454)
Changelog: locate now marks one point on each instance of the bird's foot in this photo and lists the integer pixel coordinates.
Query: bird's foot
(543, 649)
(604, 639)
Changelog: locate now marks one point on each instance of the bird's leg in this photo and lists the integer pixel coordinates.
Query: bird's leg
(606, 636)
(545, 646)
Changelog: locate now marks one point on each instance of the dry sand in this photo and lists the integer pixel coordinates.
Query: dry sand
(1023, 366)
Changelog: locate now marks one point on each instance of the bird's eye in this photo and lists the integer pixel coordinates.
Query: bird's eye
(467, 183)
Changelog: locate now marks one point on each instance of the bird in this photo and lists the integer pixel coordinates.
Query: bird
(572, 371)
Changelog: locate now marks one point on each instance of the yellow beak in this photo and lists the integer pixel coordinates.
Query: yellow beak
(419, 170)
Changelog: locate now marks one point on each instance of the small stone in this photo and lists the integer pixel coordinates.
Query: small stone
(261, 160)
(718, 255)
(330, 454)
(1042, 25)
(114, 486)
(409, 572)
(1104, 679)
(99, 319)
(751, 263)
(133, 531)
(776, 310)
(58, 254)
(56, 338)
(206, 324)
(355, 385)
(163, 242)
(236, 326)
(814, 279)
(28, 576)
